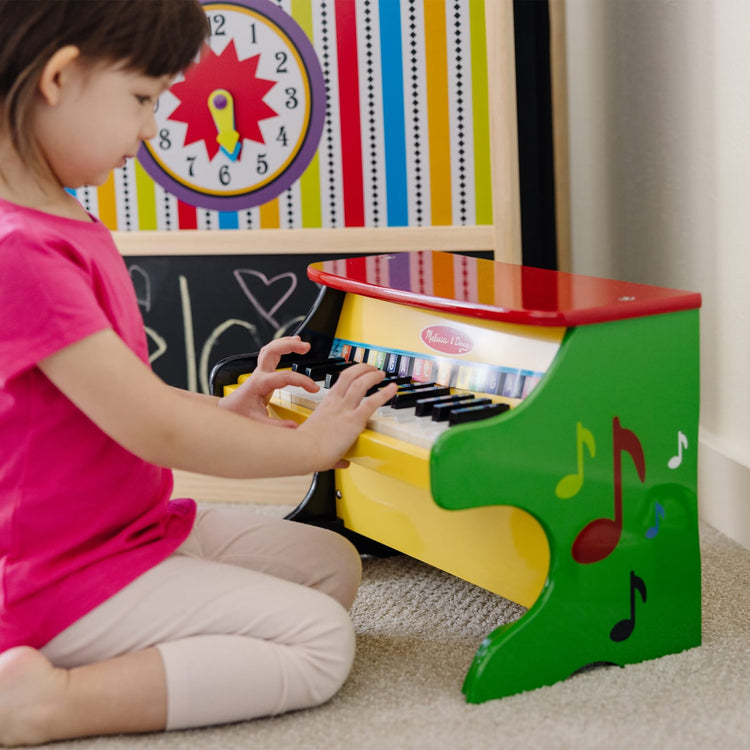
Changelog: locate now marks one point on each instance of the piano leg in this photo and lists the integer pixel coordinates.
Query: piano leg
(616, 612)
(624, 580)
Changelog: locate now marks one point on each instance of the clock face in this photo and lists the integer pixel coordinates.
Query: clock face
(244, 122)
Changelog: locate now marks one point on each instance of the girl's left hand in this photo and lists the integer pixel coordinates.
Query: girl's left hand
(251, 398)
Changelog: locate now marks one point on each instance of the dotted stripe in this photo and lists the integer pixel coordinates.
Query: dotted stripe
(325, 42)
(125, 199)
(414, 101)
(460, 117)
(371, 114)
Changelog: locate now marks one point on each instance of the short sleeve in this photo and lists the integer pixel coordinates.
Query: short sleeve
(47, 300)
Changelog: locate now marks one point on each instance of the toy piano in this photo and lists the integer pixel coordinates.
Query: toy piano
(545, 449)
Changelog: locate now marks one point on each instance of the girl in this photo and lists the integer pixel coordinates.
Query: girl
(121, 610)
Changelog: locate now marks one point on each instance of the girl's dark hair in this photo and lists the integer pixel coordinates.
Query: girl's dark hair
(155, 37)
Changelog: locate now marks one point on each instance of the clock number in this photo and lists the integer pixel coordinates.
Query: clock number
(282, 137)
(216, 24)
(291, 102)
(262, 166)
(224, 175)
(191, 165)
(281, 67)
(253, 39)
(164, 142)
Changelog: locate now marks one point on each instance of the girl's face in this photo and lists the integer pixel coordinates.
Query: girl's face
(97, 119)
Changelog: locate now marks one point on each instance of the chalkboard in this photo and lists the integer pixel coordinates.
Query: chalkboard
(200, 309)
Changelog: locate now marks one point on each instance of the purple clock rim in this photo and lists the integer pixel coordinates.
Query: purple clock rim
(310, 141)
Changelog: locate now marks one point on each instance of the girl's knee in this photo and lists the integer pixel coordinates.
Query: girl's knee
(332, 657)
(347, 570)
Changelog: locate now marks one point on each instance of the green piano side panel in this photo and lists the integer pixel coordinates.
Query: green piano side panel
(604, 455)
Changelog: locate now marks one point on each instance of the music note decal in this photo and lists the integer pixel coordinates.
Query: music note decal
(682, 442)
(571, 484)
(599, 538)
(654, 530)
(624, 629)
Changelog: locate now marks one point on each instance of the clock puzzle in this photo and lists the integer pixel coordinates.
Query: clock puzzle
(242, 124)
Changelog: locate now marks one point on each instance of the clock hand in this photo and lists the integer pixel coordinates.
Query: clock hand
(221, 106)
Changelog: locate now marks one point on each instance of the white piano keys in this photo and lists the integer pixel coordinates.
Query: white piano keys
(401, 424)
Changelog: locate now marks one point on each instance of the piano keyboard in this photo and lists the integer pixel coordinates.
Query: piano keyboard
(418, 414)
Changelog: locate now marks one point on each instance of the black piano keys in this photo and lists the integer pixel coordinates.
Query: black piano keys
(428, 399)
(464, 414)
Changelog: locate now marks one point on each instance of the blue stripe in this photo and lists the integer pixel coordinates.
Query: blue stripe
(393, 113)
(229, 220)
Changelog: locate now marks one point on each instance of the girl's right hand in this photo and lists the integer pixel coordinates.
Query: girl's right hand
(342, 415)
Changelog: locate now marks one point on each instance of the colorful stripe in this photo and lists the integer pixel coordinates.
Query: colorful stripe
(106, 198)
(269, 215)
(438, 112)
(188, 216)
(311, 214)
(146, 194)
(481, 115)
(391, 70)
(351, 137)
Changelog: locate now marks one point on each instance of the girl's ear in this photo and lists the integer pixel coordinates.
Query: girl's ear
(55, 71)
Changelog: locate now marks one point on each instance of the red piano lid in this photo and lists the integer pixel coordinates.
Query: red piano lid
(493, 290)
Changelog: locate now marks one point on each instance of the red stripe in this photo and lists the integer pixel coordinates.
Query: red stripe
(351, 136)
(187, 216)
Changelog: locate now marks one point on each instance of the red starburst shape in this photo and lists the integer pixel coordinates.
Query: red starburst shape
(236, 76)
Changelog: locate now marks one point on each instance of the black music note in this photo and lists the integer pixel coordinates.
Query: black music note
(599, 538)
(624, 629)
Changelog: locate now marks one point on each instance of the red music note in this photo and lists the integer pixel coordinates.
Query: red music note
(624, 629)
(600, 537)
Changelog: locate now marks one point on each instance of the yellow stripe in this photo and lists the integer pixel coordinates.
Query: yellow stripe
(269, 215)
(437, 111)
(482, 160)
(309, 182)
(107, 206)
(146, 192)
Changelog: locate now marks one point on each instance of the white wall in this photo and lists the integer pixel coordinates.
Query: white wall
(659, 128)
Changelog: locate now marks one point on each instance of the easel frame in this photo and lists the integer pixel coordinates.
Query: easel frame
(503, 237)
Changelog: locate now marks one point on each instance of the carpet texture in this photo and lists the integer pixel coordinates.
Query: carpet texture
(418, 629)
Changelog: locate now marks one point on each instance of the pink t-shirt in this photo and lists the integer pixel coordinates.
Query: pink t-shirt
(80, 517)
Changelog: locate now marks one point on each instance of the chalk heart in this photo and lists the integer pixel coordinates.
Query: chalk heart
(266, 295)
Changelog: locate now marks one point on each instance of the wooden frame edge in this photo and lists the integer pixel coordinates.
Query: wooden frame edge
(305, 241)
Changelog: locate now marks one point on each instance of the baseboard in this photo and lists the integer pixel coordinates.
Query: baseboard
(208, 489)
(723, 488)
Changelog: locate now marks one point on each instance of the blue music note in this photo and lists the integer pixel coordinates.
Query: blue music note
(654, 530)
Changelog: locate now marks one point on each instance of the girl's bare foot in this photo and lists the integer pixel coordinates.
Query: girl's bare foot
(29, 690)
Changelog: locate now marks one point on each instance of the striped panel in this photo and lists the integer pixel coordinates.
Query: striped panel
(406, 138)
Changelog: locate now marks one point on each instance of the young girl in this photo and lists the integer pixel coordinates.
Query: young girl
(121, 610)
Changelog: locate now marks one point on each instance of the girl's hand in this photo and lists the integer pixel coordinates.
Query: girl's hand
(251, 398)
(342, 415)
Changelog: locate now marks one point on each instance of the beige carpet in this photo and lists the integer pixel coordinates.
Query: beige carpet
(418, 631)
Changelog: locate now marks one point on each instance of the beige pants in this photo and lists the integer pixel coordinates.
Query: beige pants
(249, 616)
